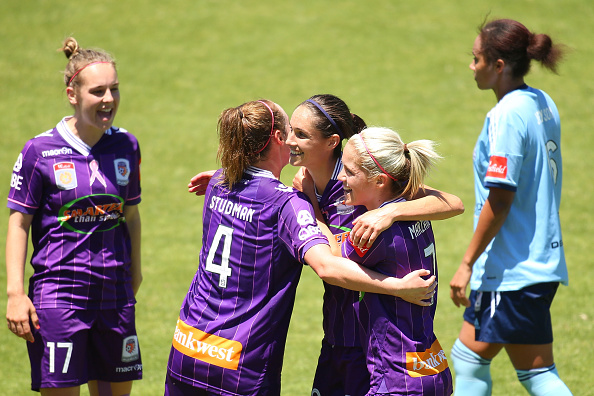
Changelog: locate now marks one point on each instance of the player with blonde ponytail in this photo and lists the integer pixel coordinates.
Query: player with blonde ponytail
(403, 355)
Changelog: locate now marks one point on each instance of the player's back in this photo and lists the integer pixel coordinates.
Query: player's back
(242, 296)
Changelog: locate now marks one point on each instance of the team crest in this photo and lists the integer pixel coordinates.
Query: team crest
(122, 167)
(65, 175)
(130, 349)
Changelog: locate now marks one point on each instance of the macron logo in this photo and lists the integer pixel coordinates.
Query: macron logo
(497, 167)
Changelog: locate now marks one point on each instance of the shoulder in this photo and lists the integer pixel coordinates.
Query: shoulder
(121, 136)
(46, 144)
(121, 133)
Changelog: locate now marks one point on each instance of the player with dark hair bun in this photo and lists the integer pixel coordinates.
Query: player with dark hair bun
(515, 260)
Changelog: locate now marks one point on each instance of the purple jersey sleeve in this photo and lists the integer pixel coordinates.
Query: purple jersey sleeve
(231, 334)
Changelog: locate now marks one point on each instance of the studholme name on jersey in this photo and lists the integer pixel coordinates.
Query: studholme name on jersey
(232, 208)
(418, 228)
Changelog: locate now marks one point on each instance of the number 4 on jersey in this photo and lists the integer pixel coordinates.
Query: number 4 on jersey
(223, 233)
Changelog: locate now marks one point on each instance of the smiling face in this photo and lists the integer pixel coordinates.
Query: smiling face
(309, 147)
(96, 99)
(358, 189)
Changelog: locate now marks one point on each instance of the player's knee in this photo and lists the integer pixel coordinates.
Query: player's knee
(543, 381)
(473, 373)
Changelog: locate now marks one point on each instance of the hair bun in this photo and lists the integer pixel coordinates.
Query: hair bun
(70, 47)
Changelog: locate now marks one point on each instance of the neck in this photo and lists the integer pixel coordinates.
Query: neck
(507, 86)
(90, 137)
(379, 198)
(321, 174)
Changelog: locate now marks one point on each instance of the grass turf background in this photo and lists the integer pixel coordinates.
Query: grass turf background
(400, 64)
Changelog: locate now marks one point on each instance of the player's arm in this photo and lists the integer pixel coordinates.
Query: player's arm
(345, 273)
(132, 215)
(428, 204)
(199, 182)
(19, 307)
(304, 183)
(491, 218)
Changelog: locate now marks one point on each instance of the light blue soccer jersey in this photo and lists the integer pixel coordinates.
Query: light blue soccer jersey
(519, 149)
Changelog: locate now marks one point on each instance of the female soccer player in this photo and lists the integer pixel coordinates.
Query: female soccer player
(403, 355)
(515, 260)
(319, 125)
(233, 323)
(77, 187)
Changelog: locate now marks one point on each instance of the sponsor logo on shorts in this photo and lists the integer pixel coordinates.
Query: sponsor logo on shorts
(127, 369)
(497, 167)
(430, 362)
(205, 347)
(65, 175)
(130, 350)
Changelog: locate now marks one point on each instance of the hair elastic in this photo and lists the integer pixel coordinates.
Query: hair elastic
(83, 68)
(271, 128)
(327, 116)
(374, 160)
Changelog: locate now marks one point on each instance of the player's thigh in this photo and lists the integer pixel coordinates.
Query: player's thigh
(114, 350)
(526, 357)
(71, 391)
(102, 388)
(59, 354)
(485, 350)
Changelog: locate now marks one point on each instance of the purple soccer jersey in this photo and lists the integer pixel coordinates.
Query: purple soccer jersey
(340, 320)
(77, 194)
(403, 354)
(231, 333)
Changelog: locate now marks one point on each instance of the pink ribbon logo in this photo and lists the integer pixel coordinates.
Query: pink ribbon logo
(94, 165)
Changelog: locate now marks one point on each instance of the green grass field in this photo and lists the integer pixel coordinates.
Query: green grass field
(400, 64)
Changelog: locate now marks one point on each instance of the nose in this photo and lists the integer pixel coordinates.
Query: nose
(342, 176)
(471, 65)
(290, 137)
(108, 97)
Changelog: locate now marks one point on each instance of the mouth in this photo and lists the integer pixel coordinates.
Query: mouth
(105, 114)
(295, 153)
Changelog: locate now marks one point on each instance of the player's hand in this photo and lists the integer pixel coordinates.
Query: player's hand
(368, 226)
(18, 311)
(199, 182)
(305, 183)
(417, 290)
(458, 285)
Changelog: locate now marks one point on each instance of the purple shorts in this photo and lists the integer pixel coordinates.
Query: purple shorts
(73, 347)
(341, 371)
